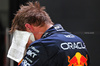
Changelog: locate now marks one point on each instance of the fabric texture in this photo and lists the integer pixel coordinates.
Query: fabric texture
(57, 47)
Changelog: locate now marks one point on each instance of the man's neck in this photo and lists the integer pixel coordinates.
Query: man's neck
(40, 30)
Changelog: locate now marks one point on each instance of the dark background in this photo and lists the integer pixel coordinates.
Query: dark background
(80, 17)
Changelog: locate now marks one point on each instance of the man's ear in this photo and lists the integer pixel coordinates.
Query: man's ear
(28, 27)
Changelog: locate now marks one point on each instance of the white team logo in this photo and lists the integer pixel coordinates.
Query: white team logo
(69, 36)
(72, 45)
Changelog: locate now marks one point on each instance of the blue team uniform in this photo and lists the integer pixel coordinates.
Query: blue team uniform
(57, 47)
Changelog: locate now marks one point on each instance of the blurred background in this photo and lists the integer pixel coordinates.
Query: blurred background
(80, 17)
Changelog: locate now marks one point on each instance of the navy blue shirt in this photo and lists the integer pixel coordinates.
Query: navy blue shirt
(57, 47)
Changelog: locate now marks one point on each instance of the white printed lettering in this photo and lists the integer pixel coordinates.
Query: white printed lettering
(34, 49)
(26, 63)
(30, 53)
(73, 45)
(28, 59)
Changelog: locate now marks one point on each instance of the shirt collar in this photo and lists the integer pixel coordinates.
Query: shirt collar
(55, 28)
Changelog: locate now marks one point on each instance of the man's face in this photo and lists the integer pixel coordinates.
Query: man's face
(20, 34)
(28, 43)
(20, 41)
(28, 29)
(30, 40)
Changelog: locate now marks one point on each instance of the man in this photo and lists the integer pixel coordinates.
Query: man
(53, 46)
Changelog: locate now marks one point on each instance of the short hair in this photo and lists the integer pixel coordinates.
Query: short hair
(31, 13)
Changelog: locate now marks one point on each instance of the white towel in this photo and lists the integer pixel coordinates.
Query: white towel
(18, 45)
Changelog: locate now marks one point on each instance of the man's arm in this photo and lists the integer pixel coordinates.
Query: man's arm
(35, 55)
